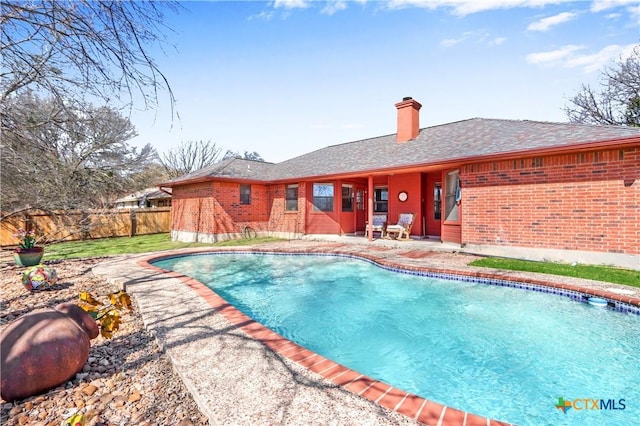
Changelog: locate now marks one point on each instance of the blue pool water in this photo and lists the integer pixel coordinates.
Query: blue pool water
(495, 351)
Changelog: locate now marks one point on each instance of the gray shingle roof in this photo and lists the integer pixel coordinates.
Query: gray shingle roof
(465, 139)
(148, 193)
(233, 168)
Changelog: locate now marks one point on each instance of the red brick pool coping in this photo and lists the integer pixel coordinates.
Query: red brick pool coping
(410, 405)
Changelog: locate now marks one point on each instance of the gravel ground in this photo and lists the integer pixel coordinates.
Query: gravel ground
(128, 380)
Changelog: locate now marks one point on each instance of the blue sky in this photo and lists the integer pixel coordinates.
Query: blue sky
(288, 77)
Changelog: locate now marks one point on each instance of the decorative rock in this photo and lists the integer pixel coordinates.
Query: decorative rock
(119, 401)
(135, 396)
(39, 277)
(44, 349)
(89, 390)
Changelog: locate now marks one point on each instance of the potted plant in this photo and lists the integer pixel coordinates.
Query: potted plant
(27, 253)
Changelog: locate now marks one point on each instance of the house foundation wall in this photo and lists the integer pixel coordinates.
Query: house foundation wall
(200, 237)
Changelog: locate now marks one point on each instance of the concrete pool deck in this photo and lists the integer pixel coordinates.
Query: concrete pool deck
(238, 373)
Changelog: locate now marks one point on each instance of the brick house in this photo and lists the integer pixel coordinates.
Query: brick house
(496, 186)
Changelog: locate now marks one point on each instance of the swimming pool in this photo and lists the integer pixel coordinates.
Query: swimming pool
(496, 351)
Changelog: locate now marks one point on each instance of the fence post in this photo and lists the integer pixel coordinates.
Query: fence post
(134, 222)
(28, 222)
(85, 225)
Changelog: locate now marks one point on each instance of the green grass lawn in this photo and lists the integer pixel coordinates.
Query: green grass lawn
(129, 245)
(592, 272)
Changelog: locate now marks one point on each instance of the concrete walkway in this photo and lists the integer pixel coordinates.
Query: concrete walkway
(235, 379)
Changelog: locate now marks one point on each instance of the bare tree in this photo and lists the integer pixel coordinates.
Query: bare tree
(83, 49)
(58, 149)
(189, 156)
(150, 176)
(245, 156)
(618, 101)
(57, 157)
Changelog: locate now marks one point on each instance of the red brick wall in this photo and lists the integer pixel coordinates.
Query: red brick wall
(214, 208)
(231, 216)
(192, 208)
(286, 221)
(586, 201)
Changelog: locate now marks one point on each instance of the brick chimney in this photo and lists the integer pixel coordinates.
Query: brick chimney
(408, 119)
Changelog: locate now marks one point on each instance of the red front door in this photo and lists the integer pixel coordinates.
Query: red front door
(433, 200)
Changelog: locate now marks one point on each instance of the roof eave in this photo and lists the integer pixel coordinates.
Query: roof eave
(212, 179)
(185, 182)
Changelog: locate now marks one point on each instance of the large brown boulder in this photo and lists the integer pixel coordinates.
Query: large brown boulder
(44, 349)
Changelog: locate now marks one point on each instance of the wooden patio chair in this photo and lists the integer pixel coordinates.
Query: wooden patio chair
(402, 228)
(378, 224)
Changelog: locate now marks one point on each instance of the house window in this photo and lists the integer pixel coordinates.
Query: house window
(291, 198)
(245, 194)
(347, 198)
(381, 200)
(452, 196)
(323, 197)
(437, 201)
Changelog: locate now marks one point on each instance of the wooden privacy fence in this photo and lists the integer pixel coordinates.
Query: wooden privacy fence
(70, 225)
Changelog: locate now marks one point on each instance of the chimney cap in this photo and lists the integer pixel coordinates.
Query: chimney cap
(407, 98)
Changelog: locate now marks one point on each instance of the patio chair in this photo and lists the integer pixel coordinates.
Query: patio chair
(378, 224)
(402, 228)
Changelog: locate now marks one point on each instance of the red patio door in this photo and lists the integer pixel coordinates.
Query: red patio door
(433, 207)
(361, 208)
